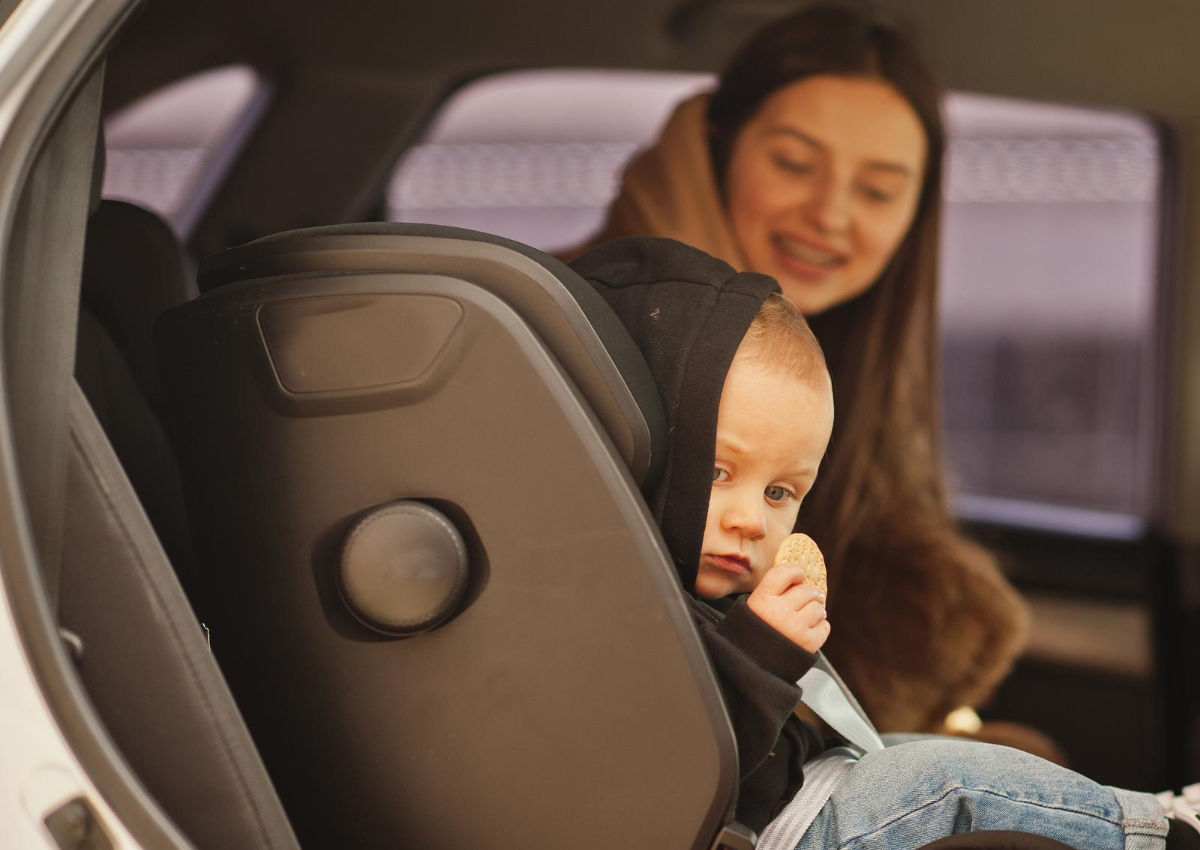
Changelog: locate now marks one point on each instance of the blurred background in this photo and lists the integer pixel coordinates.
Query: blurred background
(1049, 254)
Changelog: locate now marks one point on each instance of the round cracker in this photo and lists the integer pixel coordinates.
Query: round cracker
(801, 550)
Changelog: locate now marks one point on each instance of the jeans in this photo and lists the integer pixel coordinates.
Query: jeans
(918, 791)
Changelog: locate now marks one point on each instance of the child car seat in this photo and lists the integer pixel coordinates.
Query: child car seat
(412, 457)
(411, 462)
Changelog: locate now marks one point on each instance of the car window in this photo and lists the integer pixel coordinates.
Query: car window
(168, 150)
(1049, 313)
(1049, 278)
(534, 156)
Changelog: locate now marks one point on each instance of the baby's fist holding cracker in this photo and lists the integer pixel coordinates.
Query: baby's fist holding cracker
(791, 596)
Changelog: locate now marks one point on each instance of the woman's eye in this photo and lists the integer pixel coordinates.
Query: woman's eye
(719, 474)
(878, 195)
(793, 166)
(777, 494)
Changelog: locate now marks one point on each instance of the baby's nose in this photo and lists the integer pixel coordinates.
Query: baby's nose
(749, 521)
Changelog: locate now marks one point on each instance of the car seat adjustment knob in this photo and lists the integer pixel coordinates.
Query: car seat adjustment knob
(404, 568)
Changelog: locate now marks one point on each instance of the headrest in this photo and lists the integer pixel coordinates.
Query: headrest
(134, 268)
(563, 309)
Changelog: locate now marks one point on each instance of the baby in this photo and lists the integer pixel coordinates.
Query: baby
(749, 411)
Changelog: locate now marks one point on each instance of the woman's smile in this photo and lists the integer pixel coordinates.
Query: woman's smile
(804, 258)
(822, 185)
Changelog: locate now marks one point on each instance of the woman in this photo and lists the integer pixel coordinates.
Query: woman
(817, 160)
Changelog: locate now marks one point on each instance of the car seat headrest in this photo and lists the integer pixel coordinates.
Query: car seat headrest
(562, 308)
(133, 269)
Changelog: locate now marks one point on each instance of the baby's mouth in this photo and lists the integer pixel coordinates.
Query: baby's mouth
(733, 564)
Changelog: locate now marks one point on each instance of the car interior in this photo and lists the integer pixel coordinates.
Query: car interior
(302, 271)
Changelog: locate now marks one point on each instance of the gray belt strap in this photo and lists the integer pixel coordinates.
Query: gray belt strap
(821, 777)
(826, 694)
(822, 690)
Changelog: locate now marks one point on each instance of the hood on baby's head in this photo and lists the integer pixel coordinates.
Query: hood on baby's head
(687, 312)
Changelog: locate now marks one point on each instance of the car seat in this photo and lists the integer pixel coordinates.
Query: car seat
(328, 376)
(412, 457)
(133, 689)
(127, 590)
(134, 268)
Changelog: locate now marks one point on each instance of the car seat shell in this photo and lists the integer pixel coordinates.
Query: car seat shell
(570, 688)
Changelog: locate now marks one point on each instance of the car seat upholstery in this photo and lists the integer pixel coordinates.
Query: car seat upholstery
(142, 656)
(145, 663)
(133, 269)
(327, 373)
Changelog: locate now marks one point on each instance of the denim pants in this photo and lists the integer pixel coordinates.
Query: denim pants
(915, 792)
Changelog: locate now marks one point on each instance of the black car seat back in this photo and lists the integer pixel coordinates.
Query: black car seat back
(139, 698)
(145, 663)
(411, 461)
(133, 269)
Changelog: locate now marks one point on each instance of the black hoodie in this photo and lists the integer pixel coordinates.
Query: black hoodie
(687, 312)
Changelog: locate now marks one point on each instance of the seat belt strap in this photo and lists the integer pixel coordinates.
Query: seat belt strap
(823, 690)
(41, 311)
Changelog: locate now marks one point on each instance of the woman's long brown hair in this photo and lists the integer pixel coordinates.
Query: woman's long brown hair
(882, 484)
(926, 620)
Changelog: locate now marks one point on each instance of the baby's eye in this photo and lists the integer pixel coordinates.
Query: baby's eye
(719, 474)
(778, 494)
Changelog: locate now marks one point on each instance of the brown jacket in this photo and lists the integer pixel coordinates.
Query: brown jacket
(935, 630)
(668, 190)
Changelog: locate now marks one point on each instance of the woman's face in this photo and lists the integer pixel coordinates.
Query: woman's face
(822, 185)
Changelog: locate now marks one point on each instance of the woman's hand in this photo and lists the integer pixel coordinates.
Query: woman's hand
(794, 609)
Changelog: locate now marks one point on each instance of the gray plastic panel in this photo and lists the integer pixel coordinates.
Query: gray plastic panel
(390, 343)
(568, 703)
(559, 306)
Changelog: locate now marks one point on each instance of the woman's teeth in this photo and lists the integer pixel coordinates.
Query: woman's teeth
(806, 253)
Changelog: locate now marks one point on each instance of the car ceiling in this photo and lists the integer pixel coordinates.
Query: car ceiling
(1105, 51)
(354, 80)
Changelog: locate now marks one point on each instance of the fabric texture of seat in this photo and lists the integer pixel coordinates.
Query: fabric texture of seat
(145, 663)
(138, 438)
(133, 269)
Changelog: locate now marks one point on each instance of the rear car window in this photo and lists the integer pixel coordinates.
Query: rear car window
(1049, 267)
(1050, 313)
(168, 150)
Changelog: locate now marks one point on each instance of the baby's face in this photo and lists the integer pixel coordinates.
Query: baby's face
(772, 430)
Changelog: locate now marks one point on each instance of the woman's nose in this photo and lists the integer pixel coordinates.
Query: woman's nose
(829, 205)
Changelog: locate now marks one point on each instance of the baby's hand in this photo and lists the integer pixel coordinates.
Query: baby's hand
(794, 609)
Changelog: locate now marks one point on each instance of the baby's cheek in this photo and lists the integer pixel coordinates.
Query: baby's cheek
(782, 526)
